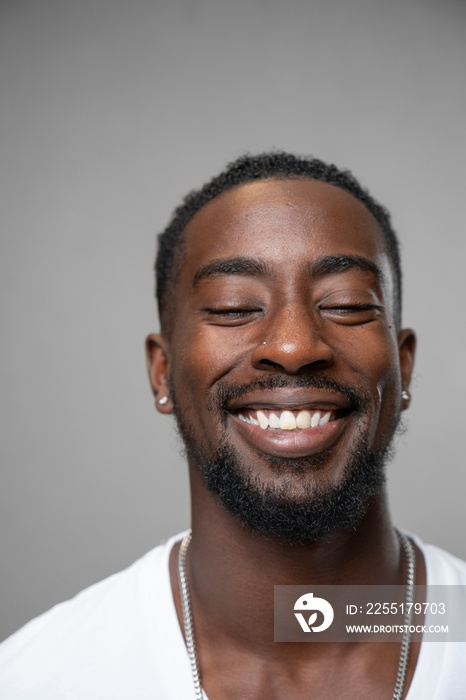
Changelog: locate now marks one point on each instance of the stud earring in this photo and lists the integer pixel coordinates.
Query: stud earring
(405, 395)
(264, 343)
(163, 400)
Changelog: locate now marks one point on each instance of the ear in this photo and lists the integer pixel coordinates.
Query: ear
(157, 353)
(407, 351)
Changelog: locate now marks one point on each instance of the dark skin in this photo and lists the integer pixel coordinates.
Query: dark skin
(257, 269)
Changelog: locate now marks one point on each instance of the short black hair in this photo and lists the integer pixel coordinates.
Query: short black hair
(277, 165)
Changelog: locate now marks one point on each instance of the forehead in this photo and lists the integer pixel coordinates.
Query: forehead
(284, 221)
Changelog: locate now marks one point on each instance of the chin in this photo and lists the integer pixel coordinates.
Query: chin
(294, 508)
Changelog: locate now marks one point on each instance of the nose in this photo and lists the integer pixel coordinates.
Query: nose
(292, 342)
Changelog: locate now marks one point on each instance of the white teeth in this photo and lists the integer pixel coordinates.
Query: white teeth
(325, 419)
(287, 421)
(263, 420)
(303, 419)
(248, 419)
(274, 421)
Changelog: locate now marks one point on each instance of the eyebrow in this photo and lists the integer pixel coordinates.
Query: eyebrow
(232, 266)
(341, 263)
(253, 267)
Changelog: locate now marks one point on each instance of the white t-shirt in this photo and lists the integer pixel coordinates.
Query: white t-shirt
(120, 639)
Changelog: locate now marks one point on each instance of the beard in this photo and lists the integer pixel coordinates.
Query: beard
(276, 509)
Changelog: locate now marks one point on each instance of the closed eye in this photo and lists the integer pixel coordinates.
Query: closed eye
(228, 311)
(352, 313)
(348, 308)
(232, 314)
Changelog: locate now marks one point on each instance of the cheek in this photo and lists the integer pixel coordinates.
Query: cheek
(387, 370)
(372, 356)
(387, 399)
(371, 353)
(202, 356)
(200, 359)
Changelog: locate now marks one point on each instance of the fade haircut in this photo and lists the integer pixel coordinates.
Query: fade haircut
(276, 165)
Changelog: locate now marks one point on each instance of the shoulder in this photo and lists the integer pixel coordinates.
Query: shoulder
(442, 567)
(106, 626)
(441, 672)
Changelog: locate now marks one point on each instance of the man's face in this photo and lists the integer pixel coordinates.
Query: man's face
(284, 353)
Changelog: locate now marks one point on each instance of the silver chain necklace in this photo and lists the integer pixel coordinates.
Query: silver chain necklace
(404, 652)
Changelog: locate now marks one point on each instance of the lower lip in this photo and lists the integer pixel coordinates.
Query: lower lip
(301, 442)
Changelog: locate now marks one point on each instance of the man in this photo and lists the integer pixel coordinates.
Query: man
(283, 359)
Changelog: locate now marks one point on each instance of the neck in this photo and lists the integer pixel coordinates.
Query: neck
(232, 570)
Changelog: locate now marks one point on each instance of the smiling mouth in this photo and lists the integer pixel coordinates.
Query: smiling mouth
(287, 419)
(291, 432)
(290, 422)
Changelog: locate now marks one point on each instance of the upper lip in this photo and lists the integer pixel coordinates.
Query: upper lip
(291, 399)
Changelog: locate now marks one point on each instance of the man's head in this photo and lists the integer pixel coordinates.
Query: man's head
(281, 355)
(249, 168)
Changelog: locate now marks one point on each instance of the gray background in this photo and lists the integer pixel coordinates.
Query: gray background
(110, 112)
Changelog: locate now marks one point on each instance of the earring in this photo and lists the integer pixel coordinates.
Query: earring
(163, 400)
(264, 343)
(405, 395)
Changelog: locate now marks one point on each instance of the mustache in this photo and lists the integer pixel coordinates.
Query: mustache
(227, 393)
